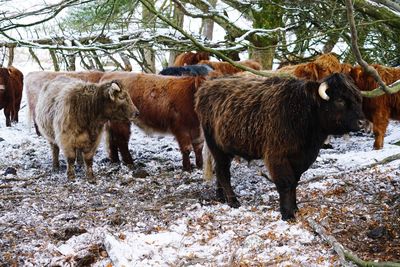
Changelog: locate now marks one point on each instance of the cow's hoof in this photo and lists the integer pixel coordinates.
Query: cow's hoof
(71, 177)
(327, 146)
(55, 168)
(286, 216)
(219, 195)
(91, 180)
(234, 204)
(187, 169)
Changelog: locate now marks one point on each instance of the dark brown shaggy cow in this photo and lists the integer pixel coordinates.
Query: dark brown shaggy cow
(281, 120)
(379, 109)
(225, 68)
(11, 86)
(71, 115)
(190, 58)
(166, 105)
(34, 82)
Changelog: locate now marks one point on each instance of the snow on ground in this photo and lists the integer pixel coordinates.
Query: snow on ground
(156, 215)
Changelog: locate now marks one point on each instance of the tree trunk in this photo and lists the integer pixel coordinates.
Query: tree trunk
(269, 16)
(55, 60)
(11, 50)
(96, 59)
(264, 54)
(148, 22)
(178, 19)
(208, 24)
(330, 44)
(127, 63)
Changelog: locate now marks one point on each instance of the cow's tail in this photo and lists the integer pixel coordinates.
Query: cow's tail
(208, 164)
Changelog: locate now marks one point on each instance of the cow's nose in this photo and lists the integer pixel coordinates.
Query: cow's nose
(362, 124)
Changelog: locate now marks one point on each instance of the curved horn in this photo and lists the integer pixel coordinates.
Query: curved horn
(115, 86)
(322, 91)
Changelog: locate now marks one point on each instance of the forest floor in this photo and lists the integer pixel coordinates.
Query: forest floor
(156, 215)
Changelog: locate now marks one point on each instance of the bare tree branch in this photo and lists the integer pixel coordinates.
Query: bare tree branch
(51, 11)
(35, 58)
(216, 16)
(356, 51)
(390, 4)
(345, 253)
(393, 88)
(201, 46)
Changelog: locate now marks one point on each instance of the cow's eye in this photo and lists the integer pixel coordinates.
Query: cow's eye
(340, 103)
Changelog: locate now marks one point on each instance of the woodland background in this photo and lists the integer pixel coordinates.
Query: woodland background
(148, 34)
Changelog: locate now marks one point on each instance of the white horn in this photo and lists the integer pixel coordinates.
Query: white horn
(115, 86)
(322, 91)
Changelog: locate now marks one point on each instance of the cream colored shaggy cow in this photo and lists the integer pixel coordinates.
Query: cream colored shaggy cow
(71, 114)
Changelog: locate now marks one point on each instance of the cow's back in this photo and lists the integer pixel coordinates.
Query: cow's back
(161, 100)
(34, 81)
(259, 107)
(53, 106)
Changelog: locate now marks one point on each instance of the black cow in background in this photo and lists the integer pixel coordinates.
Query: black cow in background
(188, 70)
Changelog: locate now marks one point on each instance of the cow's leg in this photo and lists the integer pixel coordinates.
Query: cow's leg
(70, 154)
(112, 147)
(14, 114)
(222, 161)
(79, 157)
(219, 192)
(380, 124)
(286, 182)
(36, 129)
(185, 146)
(222, 171)
(55, 151)
(7, 114)
(118, 134)
(17, 108)
(197, 143)
(123, 144)
(88, 158)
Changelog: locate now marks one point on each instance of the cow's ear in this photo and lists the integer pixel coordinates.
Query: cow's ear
(312, 69)
(113, 90)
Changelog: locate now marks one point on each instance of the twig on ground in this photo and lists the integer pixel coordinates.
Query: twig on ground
(343, 253)
(362, 168)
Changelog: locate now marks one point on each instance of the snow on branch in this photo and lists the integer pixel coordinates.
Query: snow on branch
(219, 18)
(50, 11)
(200, 46)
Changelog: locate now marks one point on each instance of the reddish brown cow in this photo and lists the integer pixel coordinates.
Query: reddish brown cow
(321, 67)
(34, 82)
(17, 78)
(225, 68)
(190, 58)
(346, 68)
(165, 104)
(379, 109)
(11, 85)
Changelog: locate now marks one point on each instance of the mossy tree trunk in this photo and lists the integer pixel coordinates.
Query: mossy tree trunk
(148, 22)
